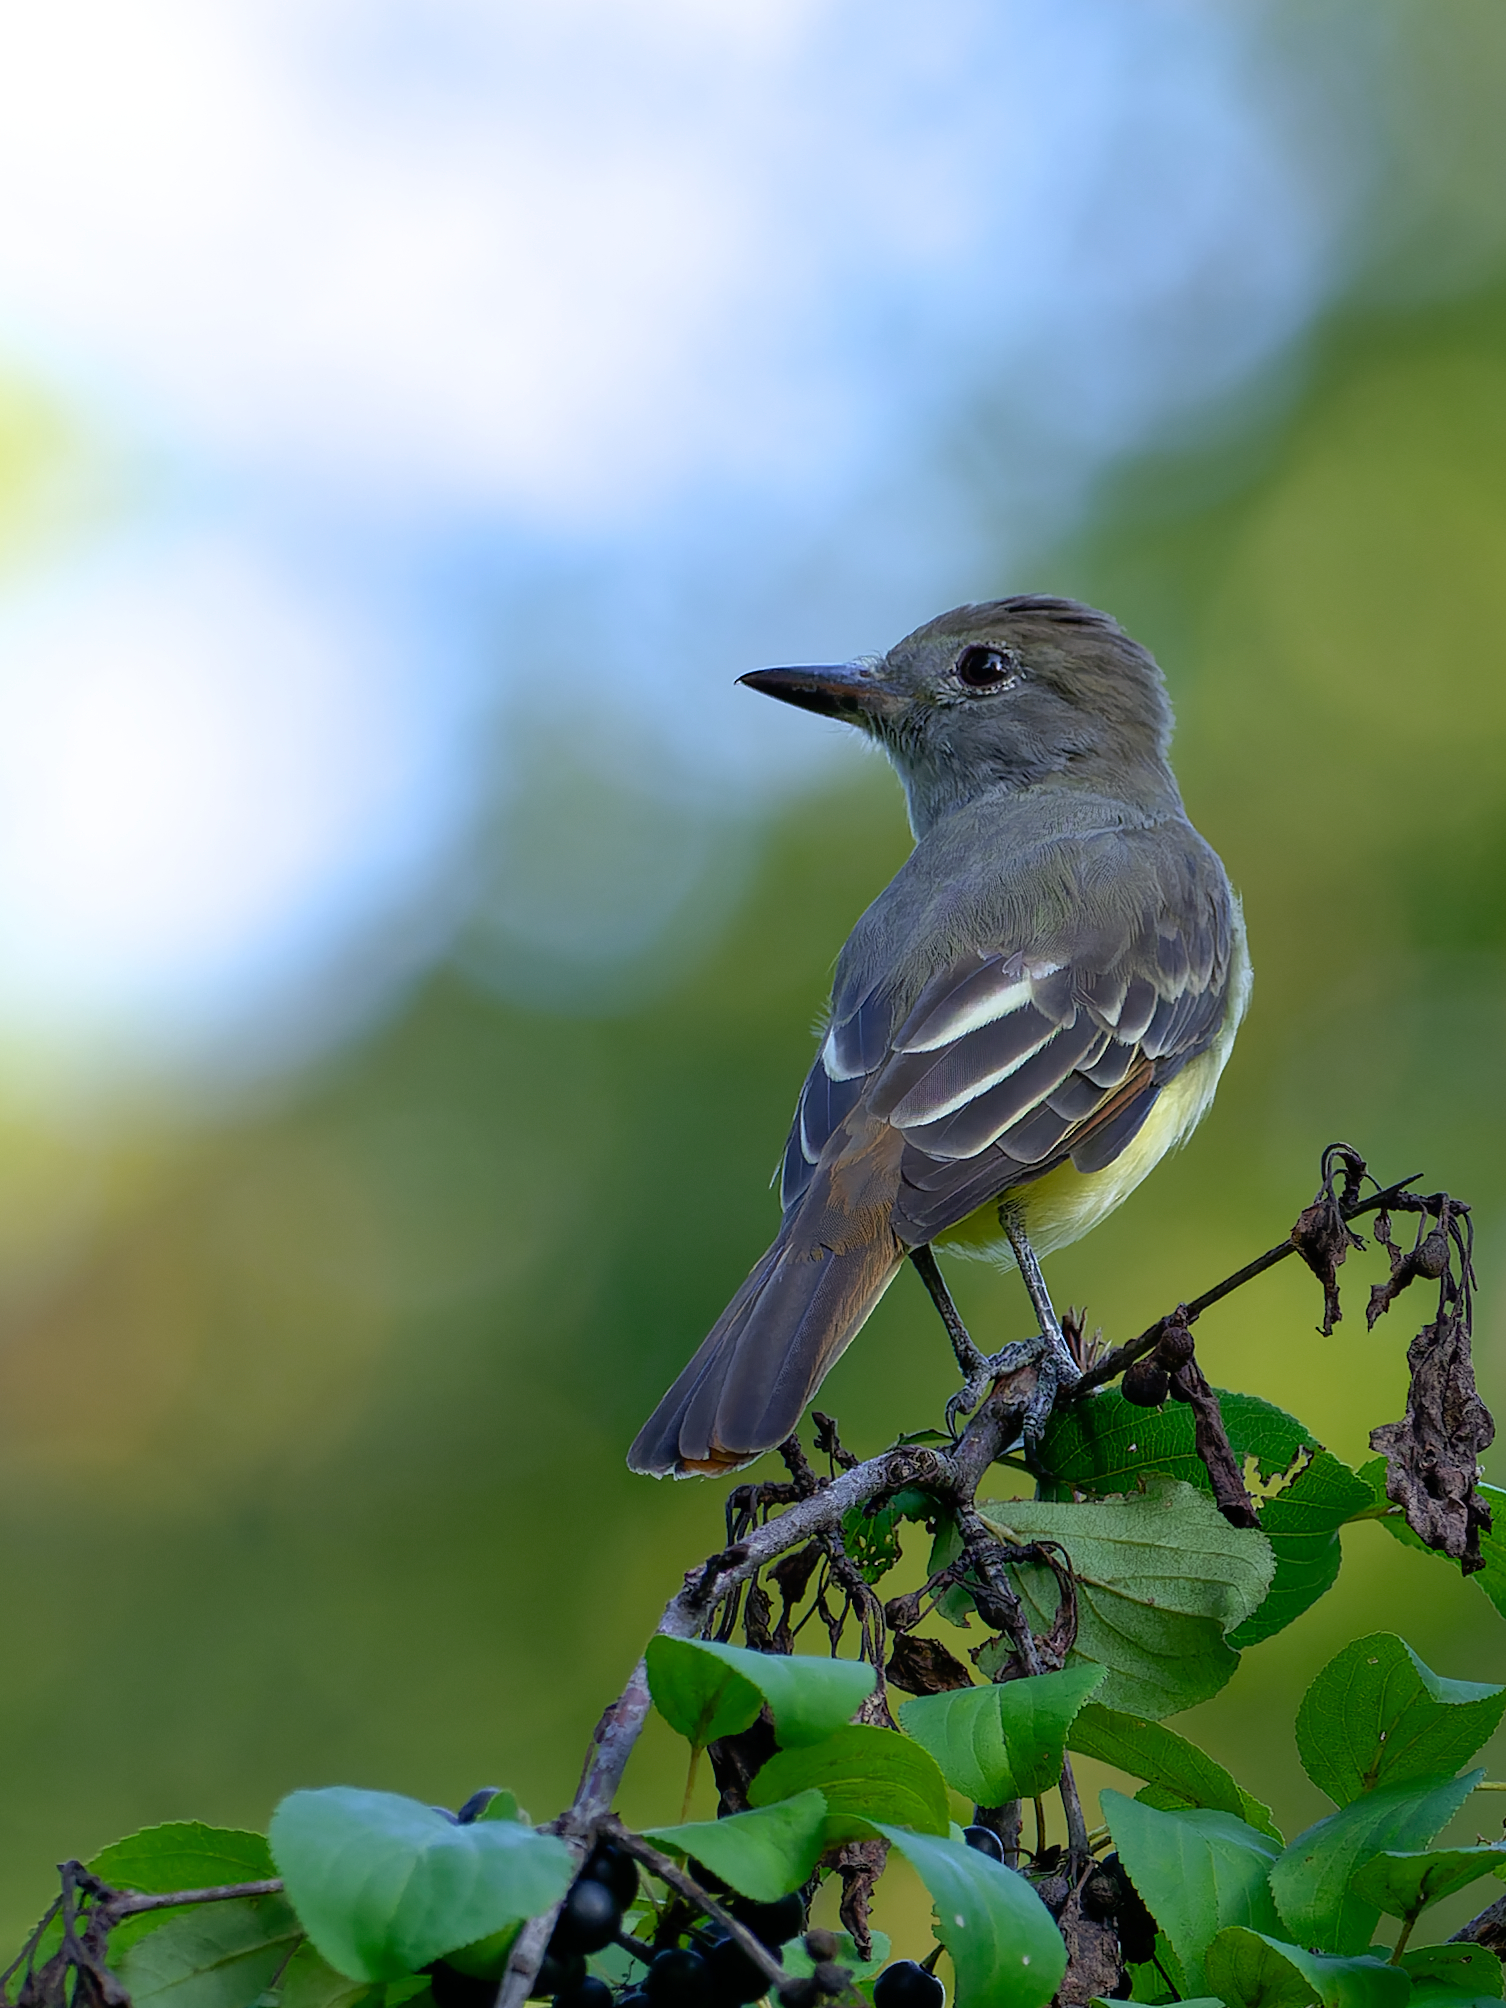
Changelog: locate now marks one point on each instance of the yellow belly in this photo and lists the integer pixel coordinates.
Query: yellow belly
(1066, 1203)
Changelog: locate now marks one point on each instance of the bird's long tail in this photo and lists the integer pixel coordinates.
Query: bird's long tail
(803, 1303)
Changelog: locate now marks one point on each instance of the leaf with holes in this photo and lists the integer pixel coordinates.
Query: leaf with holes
(1005, 1948)
(1108, 1444)
(1302, 1523)
(1376, 1715)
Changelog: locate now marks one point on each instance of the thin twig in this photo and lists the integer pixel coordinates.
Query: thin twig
(1113, 1363)
(131, 1906)
(670, 1872)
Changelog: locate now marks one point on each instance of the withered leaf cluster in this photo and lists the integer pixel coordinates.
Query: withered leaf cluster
(1322, 1236)
(1432, 1453)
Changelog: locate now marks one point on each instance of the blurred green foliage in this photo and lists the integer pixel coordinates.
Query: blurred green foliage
(311, 1431)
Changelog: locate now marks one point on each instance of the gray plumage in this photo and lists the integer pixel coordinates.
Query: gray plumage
(1058, 948)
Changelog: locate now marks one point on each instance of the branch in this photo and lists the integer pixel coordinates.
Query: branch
(122, 1905)
(1114, 1363)
(669, 1871)
(996, 1425)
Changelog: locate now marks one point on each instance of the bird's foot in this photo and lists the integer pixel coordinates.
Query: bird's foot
(990, 1368)
(1055, 1372)
(1055, 1369)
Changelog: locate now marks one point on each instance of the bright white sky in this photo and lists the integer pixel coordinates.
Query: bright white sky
(613, 345)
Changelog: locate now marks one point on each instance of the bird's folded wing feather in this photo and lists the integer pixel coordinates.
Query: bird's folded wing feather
(1020, 1053)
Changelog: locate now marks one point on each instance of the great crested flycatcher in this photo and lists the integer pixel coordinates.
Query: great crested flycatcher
(1028, 1017)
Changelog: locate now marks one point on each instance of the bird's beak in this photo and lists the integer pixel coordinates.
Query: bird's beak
(851, 690)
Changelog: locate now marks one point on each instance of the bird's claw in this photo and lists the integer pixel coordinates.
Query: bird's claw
(974, 1390)
(1055, 1370)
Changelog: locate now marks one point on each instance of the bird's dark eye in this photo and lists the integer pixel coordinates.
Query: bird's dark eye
(979, 668)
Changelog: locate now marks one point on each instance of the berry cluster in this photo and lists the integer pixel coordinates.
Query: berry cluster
(692, 1962)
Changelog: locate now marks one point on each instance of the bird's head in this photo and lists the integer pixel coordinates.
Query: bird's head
(1002, 695)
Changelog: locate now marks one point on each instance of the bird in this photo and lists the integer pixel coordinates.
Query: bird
(1027, 1018)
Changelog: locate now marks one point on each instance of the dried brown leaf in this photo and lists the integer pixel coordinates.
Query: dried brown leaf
(1432, 1453)
(924, 1666)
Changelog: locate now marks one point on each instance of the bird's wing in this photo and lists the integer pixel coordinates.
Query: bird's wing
(1022, 1053)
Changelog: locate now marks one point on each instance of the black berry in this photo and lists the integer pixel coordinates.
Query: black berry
(907, 1985)
(1133, 1922)
(587, 1993)
(590, 1917)
(735, 1980)
(476, 1805)
(678, 1979)
(616, 1868)
(558, 1971)
(453, 1989)
(772, 1924)
(986, 1841)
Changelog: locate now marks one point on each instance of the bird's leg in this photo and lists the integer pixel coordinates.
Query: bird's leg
(969, 1359)
(1058, 1368)
(979, 1370)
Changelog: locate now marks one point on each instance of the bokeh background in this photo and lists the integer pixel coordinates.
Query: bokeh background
(412, 419)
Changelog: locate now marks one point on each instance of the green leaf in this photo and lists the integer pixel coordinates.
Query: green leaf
(1161, 1577)
(184, 1854)
(484, 1958)
(1311, 1881)
(1251, 1810)
(1376, 1715)
(808, 1697)
(503, 1805)
(1197, 1872)
(1107, 1444)
(799, 1964)
(1302, 1523)
(1150, 1751)
(1006, 1950)
(384, 1884)
(999, 1743)
(311, 1982)
(212, 1955)
(867, 1775)
(1404, 1884)
(954, 1604)
(181, 1854)
(1197, 2001)
(1442, 1973)
(1253, 1970)
(699, 1694)
(764, 1854)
